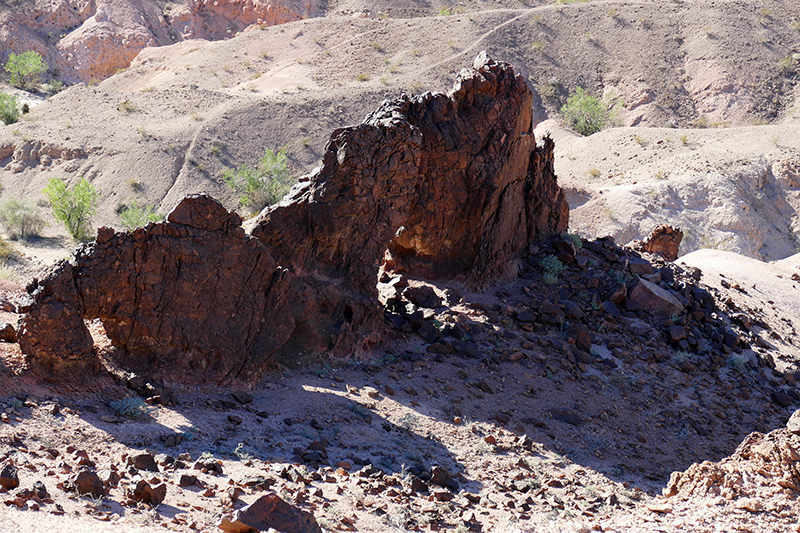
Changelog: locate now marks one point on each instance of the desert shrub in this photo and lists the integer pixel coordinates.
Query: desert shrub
(21, 217)
(25, 68)
(587, 114)
(263, 185)
(131, 407)
(53, 86)
(73, 207)
(9, 108)
(134, 216)
(552, 265)
(7, 251)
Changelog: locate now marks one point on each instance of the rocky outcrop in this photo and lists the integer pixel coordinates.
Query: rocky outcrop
(664, 240)
(442, 184)
(447, 185)
(84, 40)
(213, 20)
(762, 467)
(38, 153)
(190, 297)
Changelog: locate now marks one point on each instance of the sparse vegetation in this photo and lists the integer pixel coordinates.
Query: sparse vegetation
(587, 114)
(444, 11)
(127, 107)
(7, 251)
(362, 77)
(73, 207)
(25, 69)
(550, 91)
(131, 407)
(135, 216)
(551, 266)
(537, 45)
(9, 108)
(377, 47)
(263, 185)
(21, 218)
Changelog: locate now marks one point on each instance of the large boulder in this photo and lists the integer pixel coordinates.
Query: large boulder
(193, 296)
(441, 184)
(270, 512)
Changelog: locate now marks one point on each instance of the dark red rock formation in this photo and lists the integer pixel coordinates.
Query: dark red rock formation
(443, 185)
(191, 297)
(451, 184)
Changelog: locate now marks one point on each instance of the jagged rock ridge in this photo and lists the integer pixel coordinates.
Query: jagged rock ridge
(452, 185)
(446, 185)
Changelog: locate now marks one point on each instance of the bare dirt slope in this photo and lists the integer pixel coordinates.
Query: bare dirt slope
(734, 189)
(181, 114)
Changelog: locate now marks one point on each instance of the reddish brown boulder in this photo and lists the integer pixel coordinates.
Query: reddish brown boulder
(270, 511)
(665, 241)
(441, 184)
(146, 493)
(190, 297)
(86, 481)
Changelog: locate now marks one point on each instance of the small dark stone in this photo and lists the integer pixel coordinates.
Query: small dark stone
(146, 493)
(243, 397)
(7, 332)
(8, 477)
(187, 480)
(526, 316)
(422, 296)
(85, 481)
(235, 419)
(440, 476)
(568, 416)
(611, 309)
(143, 461)
(781, 398)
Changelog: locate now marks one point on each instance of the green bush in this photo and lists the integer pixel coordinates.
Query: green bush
(134, 216)
(25, 68)
(263, 185)
(588, 115)
(74, 207)
(21, 217)
(9, 108)
(131, 407)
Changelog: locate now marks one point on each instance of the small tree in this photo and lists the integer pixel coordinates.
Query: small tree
(263, 185)
(25, 68)
(9, 108)
(21, 217)
(134, 216)
(588, 115)
(74, 207)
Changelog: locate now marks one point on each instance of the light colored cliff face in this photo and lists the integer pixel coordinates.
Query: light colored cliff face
(85, 40)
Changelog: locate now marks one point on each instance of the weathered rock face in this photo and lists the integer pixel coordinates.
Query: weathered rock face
(450, 185)
(212, 19)
(762, 466)
(446, 185)
(193, 296)
(92, 39)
